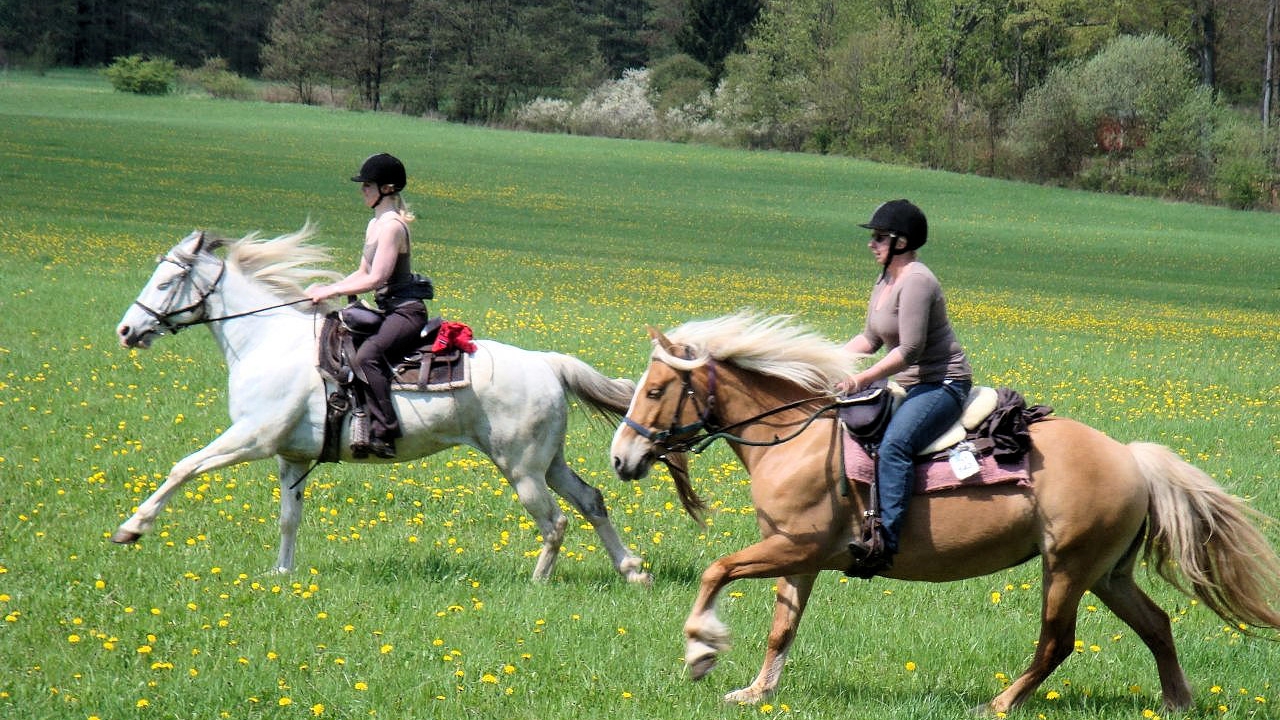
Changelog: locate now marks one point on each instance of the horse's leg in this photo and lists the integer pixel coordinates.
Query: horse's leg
(240, 443)
(531, 488)
(793, 595)
(775, 556)
(588, 500)
(1138, 611)
(1061, 600)
(292, 486)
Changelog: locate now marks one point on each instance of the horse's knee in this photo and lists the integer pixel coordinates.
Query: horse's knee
(593, 507)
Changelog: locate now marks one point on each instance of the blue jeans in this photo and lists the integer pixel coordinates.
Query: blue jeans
(928, 410)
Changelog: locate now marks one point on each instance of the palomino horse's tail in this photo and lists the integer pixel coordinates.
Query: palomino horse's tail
(1210, 538)
(611, 396)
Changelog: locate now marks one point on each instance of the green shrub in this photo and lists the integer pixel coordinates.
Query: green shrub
(137, 74)
(217, 79)
(1048, 138)
(1178, 158)
(1243, 175)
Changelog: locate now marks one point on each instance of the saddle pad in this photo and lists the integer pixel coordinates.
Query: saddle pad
(443, 371)
(935, 475)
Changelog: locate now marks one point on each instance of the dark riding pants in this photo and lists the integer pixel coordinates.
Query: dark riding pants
(399, 334)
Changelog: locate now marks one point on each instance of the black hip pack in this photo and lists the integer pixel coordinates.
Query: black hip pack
(866, 413)
(414, 287)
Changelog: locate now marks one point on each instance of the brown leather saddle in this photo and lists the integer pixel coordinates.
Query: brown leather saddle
(424, 370)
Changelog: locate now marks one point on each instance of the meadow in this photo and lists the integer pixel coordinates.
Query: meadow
(1150, 320)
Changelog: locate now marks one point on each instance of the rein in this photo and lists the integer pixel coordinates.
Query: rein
(165, 318)
(673, 439)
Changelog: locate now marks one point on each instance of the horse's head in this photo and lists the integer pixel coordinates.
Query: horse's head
(670, 410)
(175, 295)
(749, 379)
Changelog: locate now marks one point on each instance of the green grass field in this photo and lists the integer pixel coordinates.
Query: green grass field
(1149, 320)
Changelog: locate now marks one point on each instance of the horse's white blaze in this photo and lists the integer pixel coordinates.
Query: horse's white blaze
(632, 454)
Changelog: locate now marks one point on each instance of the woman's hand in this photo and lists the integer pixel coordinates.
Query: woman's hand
(848, 386)
(318, 293)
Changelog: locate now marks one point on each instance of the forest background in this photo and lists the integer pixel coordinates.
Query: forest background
(1170, 98)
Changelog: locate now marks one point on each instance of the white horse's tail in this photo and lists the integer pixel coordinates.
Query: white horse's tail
(1209, 536)
(611, 396)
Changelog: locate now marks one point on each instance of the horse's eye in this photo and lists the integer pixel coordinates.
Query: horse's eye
(164, 285)
(654, 393)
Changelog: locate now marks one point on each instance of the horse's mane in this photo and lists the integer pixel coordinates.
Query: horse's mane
(776, 346)
(285, 264)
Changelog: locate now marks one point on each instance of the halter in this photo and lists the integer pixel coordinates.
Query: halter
(686, 438)
(680, 438)
(165, 319)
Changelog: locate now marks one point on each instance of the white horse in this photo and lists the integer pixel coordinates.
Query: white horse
(515, 410)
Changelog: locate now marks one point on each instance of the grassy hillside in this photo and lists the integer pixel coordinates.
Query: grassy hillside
(1150, 320)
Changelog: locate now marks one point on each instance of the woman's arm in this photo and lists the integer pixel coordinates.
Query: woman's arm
(368, 276)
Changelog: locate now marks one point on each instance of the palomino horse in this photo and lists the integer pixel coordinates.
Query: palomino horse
(515, 409)
(1094, 505)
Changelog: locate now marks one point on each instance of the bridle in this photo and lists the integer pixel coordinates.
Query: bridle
(166, 318)
(700, 434)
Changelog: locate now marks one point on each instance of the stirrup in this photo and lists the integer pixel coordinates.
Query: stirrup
(870, 554)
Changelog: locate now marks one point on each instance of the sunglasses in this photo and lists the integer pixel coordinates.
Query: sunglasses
(879, 237)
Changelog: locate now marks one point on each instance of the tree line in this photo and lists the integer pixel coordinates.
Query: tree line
(1169, 97)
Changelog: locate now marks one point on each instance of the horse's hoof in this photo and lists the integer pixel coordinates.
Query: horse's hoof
(125, 537)
(640, 578)
(700, 666)
(745, 696)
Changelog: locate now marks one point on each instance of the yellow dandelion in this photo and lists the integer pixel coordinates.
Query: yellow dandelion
(317, 710)
(1052, 695)
(285, 702)
(910, 666)
(361, 685)
(386, 649)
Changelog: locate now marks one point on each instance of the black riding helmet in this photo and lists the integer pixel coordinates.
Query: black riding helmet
(383, 169)
(901, 218)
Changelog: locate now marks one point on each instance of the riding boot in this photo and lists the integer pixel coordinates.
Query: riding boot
(871, 554)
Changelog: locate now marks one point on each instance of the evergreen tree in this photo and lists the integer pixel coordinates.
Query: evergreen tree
(715, 28)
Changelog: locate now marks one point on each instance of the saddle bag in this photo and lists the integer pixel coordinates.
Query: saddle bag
(866, 413)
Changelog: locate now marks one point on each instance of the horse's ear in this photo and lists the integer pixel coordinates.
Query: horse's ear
(659, 338)
(199, 241)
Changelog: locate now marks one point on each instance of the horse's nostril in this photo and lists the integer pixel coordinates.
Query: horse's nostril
(122, 331)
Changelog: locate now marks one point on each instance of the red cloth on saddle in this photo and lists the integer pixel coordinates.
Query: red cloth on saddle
(454, 335)
(936, 475)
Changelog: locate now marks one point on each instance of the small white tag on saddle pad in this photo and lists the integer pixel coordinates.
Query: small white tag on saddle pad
(963, 463)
